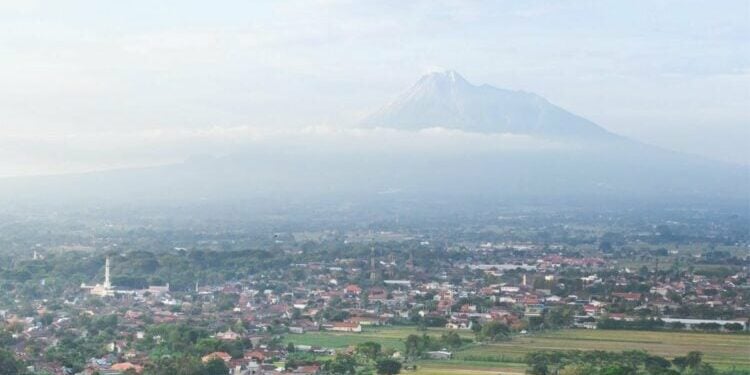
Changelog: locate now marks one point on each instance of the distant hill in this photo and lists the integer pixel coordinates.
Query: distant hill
(447, 100)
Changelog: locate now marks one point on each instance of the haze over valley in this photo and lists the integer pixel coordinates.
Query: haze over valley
(333, 187)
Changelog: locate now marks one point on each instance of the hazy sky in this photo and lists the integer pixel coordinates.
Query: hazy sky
(98, 84)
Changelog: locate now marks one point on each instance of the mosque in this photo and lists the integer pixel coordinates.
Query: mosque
(102, 290)
(107, 290)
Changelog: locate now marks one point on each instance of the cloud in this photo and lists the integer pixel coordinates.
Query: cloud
(53, 153)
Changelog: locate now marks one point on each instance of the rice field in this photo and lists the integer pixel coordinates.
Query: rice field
(388, 337)
(721, 350)
(466, 368)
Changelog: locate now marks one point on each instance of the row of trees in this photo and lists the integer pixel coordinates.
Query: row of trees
(365, 358)
(657, 324)
(576, 362)
(186, 365)
(416, 346)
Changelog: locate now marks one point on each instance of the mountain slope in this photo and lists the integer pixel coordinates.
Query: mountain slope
(606, 172)
(447, 100)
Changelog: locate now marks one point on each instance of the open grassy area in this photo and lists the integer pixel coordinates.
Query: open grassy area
(466, 368)
(388, 337)
(721, 350)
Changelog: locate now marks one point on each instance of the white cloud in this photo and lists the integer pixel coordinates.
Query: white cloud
(74, 152)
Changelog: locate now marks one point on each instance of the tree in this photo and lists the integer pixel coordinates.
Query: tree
(680, 362)
(207, 345)
(539, 368)
(175, 365)
(296, 314)
(708, 326)
(576, 362)
(617, 370)
(451, 339)
(413, 346)
(369, 349)
(677, 325)
(703, 369)
(216, 366)
(8, 364)
(435, 321)
(560, 317)
(293, 360)
(494, 331)
(388, 367)
(656, 364)
(46, 319)
(733, 327)
(341, 364)
(694, 359)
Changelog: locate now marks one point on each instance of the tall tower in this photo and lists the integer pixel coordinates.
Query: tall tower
(373, 271)
(105, 289)
(107, 283)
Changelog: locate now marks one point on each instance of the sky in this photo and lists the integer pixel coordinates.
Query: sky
(91, 85)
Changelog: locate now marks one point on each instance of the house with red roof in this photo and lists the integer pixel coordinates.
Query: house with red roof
(224, 356)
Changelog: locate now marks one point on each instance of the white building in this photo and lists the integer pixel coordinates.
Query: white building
(102, 290)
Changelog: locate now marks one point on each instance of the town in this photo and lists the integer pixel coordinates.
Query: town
(342, 302)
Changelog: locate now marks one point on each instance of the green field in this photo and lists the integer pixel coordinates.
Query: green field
(721, 350)
(388, 337)
(467, 368)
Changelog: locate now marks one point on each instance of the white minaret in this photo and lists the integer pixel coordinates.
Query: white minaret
(107, 284)
(524, 279)
(105, 289)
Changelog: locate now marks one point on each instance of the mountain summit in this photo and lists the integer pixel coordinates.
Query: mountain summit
(446, 99)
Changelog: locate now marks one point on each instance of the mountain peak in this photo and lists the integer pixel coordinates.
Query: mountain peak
(448, 76)
(446, 99)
